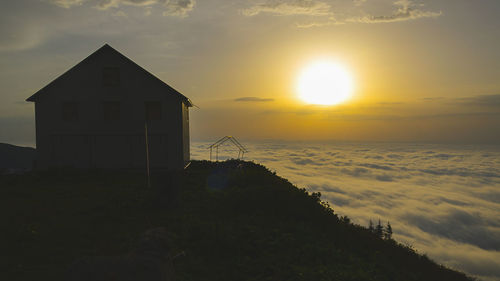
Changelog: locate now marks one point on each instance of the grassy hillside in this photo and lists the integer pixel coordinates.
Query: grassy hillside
(235, 221)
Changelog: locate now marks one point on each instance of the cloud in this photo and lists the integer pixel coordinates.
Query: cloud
(485, 101)
(356, 172)
(359, 2)
(461, 172)
(460, 226)
(253, 99)
(289, 7)
(432, 99)
(178, 8)
(331, 21)
(407, 10)
(67, 3)
(384, 177)
(375, 166)
(488, 101)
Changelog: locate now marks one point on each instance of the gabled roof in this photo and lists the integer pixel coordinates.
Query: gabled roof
(103, 49)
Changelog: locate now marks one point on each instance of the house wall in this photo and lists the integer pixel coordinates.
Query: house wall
(185, 133)
(91, 141)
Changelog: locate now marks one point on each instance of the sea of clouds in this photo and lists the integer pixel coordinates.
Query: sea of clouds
(444, 200)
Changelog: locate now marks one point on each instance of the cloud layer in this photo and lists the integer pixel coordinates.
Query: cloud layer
(442, 199)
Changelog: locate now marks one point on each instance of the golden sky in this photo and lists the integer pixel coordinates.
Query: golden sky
(422, 70)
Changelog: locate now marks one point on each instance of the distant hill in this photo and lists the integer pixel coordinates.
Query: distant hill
(235, 220)
(16, 157)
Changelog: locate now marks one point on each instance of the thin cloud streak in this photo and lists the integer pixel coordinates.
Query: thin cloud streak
(177, 8)
(485, 101)
(67, 3)
(287, 8)
(253, 99)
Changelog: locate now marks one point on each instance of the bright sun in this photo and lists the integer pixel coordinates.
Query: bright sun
(324, 83)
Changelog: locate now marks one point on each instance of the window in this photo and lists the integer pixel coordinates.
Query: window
(153, 110)
(111, 76)
(70, 111)
(111, 110)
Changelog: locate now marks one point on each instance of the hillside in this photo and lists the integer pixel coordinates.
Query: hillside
(235, 221)
(16, 157)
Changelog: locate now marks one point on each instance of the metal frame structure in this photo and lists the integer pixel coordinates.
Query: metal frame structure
(218, 143)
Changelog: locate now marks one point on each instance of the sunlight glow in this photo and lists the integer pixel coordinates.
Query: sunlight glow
(324, 83)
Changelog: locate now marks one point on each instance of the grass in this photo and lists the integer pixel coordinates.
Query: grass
(235, 221)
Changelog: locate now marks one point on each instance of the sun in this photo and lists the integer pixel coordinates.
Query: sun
(324, 83)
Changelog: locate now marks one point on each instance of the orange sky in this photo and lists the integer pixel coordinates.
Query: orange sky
(423, 70)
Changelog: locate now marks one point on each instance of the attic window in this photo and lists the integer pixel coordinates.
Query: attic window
(153, 110)
(70, 111)
(111, 110)
(110, 76)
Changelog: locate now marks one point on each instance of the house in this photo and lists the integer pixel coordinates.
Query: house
(99, 113)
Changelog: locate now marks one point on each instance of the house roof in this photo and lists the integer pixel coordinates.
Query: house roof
(103, 49)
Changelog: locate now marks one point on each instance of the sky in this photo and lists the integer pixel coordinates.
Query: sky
(423, 71)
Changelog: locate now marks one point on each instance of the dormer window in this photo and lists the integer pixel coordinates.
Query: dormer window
(110, 76)
(70, 111)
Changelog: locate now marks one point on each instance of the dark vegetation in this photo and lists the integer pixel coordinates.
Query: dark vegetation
(381, 231)
(234, 220)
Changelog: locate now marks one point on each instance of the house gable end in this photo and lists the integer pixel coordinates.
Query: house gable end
(106, 51)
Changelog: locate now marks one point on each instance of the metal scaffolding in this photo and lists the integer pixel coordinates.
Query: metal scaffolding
(218, 143)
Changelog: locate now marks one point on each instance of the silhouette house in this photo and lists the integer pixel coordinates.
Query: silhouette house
(96, 115)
